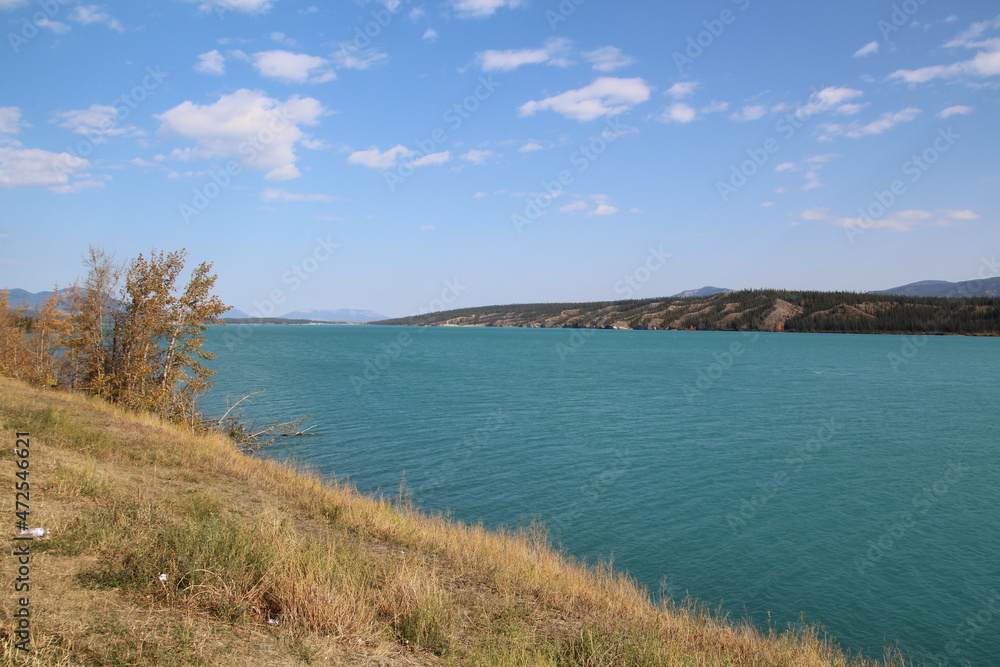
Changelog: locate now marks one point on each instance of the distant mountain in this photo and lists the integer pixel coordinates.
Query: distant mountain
(343, 315)
(31, 300)
(967, 288)
(708, 290)
(234, 313)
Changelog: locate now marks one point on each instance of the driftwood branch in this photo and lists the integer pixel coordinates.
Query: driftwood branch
(254, 435)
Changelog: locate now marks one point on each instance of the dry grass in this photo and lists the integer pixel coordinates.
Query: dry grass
(269, 566)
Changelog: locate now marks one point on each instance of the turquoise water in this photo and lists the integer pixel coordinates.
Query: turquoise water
(854, 480)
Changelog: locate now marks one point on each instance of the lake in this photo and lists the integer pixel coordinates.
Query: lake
(850, 480)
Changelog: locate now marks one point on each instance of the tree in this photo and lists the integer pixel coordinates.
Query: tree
(92, 311)
(46, 330)
(156, 338)
(13, 343)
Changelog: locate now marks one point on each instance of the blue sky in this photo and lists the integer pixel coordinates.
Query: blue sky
(404, 155)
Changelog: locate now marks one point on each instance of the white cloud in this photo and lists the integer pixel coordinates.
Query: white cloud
(373, 158)
(97, 122)
(480, 195)
(282, 38)
(430, 35)
(90, 14)
(767, 204)
(607, 96)
(427, 228)
(222, 6)
(826, 99)
(856, 130)
(10, 120)
(54, 26)
(985, 63)
(314, 144)
(551, 53)
(750, 112)
(476, 156)
(351, 57)
(621, 131)
(482, 8)
(899, 221)
(682, 89)
(37, 168)
(574, 207)
(821, 159)
(812, 166)
(970, 37)
(212, 62)
(432, 159)
(715, 107)
(531, 146)
(812, 181)
(849, 109)
(277, 194)
(604, 209)
(293, 67)
(815, 214)
(262, 131)
(608, 59)
(866, 50)
(906, 221)
(953, 111)
(679, 112)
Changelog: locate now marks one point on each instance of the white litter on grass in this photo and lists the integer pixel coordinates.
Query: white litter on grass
(34, 532)
(163, 577)
(273, 621)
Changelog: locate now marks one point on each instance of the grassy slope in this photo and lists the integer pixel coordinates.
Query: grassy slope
(342, 578)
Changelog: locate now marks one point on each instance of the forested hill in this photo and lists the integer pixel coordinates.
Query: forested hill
(757, 310)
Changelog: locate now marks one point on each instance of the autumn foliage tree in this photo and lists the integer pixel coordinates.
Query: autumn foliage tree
(155, 352)
(92, 306)
(140, 346)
